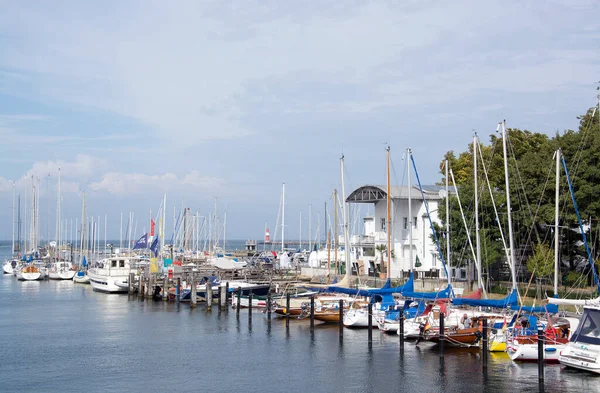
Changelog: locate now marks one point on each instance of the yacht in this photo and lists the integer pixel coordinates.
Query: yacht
(61, 270)
(32, 272)
(583, 349)
(11, 264)
(111, 274)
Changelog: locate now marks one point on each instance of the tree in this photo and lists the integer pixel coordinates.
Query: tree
(542, 261)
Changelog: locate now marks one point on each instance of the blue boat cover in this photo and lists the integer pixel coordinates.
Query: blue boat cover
(510, 300)
(387, 289)
(444, 294)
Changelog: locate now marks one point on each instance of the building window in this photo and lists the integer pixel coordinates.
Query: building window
(383, 224)
(433, 259)
(405, 222)
(414, 223)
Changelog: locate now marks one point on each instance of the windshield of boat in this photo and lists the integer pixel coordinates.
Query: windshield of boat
(589, 328)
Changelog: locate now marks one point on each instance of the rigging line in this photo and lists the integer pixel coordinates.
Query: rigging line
(522, 189)
(535, 217)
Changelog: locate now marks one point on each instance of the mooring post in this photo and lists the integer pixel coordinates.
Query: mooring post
(484, 332)
(178, 290)
(239, 301)
(442, 334)
(401, 327)
(540, 354)
(226, 293)
(370, 322)
(165, 290)
(312, 313)
(131, 281)
(193, 298)
(341, 315)
(208, 294)
(287, 310)
(269, 303)
(141, 286)
(250, 306)
(223, 297)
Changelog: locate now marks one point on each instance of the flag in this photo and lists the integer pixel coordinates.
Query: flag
(504, 325)
(154, 246)
(153, 265)
(418, 263)
(142, 242)
(152, 227)
(427, 326)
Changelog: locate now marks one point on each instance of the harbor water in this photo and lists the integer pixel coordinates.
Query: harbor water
(57, 336)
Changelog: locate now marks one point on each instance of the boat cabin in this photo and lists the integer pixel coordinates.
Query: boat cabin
(588, 331)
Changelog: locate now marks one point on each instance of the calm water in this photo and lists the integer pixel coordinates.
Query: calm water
(63, 337)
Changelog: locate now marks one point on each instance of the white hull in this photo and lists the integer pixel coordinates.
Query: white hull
(582, 356)
(81, 279)
(30, 276)
(61, 275)
(227, 263)
(245, 302)
(7, 268)
(105, 283)
(529, 352)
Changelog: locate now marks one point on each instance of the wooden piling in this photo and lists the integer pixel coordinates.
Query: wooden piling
(540, 354)
(178, 290)
(269, 305)
(287, 310)
(223, 297)
(484, 342)
(370, 322)
(165, 289)
(401, 328)
(250, 307)
(141, 286)
(312, 313)
(208, 294)
(442, 334)
(131, 282)
(341, 322)
(239, 301)
(226, 292)
(193, 294)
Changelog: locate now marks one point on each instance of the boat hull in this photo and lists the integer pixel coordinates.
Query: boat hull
(529, 352)
(107, 284)
(61, 275)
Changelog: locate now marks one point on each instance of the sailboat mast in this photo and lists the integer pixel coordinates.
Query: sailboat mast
(389, 221)
(556, 228)
(13, 220)
(58, 216)
(300, 241)
(510, 229)
(477, 239)
(448, 226)
(345, 212)
(309, 228)
(335, 232)
(410, 223)
(282, 217)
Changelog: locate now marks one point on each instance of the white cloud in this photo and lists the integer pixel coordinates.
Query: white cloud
(136, 183)
(191, 78)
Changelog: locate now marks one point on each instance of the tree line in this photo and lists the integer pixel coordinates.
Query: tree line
(531, 168)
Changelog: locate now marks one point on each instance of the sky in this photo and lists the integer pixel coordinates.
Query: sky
(228, 100)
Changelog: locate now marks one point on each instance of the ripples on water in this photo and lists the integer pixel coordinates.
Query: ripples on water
(57, 336)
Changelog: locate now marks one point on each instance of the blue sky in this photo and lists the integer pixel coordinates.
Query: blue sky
(230, 99)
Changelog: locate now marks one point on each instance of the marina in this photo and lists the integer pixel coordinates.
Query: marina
(116, 342)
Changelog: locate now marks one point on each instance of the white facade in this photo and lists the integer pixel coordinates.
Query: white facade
(424, 248)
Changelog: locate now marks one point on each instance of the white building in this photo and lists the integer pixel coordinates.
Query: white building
(375, 228)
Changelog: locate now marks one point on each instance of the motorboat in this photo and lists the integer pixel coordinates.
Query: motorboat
(61, 270)
(109, 272)
(583, 349)
(9, 266)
